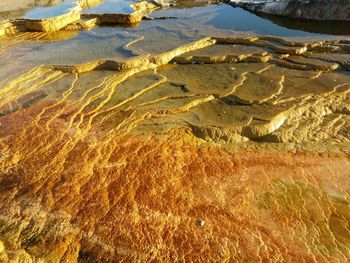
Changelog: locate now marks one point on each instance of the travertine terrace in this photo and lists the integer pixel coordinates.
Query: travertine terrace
(222, 149)
(72, 15)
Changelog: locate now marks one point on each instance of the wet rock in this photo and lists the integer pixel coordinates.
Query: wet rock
(142, 9)
(7, 28)
(313, 9)
(50, 24)
(153, 146)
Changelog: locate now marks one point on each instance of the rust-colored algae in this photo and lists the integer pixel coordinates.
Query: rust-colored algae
(77, 183)
(109, 196)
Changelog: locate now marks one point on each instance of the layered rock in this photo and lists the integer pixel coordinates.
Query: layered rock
(73, 19)
(310, 9)
(260, 98)
(50, 24)
(12, 9)
(141, 10)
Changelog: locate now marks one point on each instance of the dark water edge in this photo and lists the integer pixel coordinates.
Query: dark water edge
(339, 28)
(241, 20)
(220, 16)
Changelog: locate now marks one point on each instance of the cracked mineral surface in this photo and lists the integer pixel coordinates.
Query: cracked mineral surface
(164, 132)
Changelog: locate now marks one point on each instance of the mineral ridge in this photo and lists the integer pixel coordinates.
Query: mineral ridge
(224, 149)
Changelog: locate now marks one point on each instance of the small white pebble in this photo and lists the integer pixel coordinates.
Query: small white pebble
(200, 223)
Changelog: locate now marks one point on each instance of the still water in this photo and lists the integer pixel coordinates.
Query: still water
(236, 19)
(182, 25)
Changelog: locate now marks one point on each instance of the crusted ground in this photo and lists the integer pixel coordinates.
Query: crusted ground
(129, 198)
(86, 157)
(70, 16)
(229, 149)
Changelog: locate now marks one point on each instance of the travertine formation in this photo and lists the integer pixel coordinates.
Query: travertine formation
(142, 9)
(49, 24)
(73, 19)
(226, 149)
(10, 9)
(254, 99)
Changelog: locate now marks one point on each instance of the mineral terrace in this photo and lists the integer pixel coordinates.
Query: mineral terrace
(221, 149)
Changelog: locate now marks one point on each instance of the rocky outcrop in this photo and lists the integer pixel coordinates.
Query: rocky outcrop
(74, 19)
(13, 9)
(302, 9)
(141, 10)
(89, 3)
(7, 28)
(9, 5)
(50, 24)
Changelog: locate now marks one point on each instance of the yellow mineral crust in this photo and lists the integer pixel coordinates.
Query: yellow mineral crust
(141, 9)
(6, 28)
(71, 20)
(89, 3)
(81, 25)
(236, 100)
(211, 151)
(230, 100)
(50, 24)
(267, 205)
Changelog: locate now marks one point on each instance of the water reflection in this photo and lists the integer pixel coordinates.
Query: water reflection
(14, 9)
(227, 18)
(320, 27)
(242, 20)
(112, 7)
(47, 12)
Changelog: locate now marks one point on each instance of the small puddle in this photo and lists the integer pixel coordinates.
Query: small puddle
(83, 46)
(52, 11)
